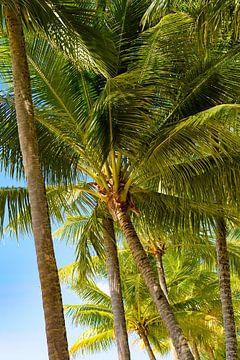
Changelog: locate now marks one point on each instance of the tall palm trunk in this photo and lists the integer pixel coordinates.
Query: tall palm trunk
(147, 345)
(115, 289)
(162, 281)
(160, 269)
(163, 307)
(211, 353)
(195, 351)
(225, 290)
(51, 293)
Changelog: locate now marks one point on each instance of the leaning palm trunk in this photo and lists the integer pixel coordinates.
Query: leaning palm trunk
(51, 293)
(163, 307)
(115, 289)
(225, 290)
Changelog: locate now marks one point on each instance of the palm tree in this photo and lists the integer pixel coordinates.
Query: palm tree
(141, 314)
(124, 168)
(51, 293)
(225, 289)
(194, 294)
(184, 254)
(34, 13)
(178, 331)
(115, 288)
(217, 22)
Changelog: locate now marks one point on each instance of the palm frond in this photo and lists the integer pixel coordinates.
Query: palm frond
(93, 340)
(90, 315)
(14, 202)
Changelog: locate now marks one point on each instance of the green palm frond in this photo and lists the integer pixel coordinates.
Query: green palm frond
(11, 159)
(66, 273)
(92, 341)
(14, 202)
(173, 213)
(197, 178)
(90, 315)
(124, 19)
(211, 121)
(203, 136)
(62, 200)
(165, 50)
(120, 100)
(69, 25)
(94, 294)
(73, 30)
(86, 233)
(216, 21)
(193, 292)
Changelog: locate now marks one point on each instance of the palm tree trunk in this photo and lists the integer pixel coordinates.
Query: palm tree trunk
(174, 354)
(114, 278)
(161, 274)
(211, 353)
(147, 345)
(225, 290)
(51, 293)
(195, 351)
(162, 281)
(163, 307)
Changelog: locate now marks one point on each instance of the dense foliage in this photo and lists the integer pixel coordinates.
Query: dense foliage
(136, 107)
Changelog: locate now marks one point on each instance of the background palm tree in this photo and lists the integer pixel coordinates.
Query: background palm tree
(193, 292)
(193, 257)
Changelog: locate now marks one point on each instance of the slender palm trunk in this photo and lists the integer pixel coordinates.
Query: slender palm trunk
(211, 353)
(51, 293)
(115, 289)
(162, 281)
(225, 290)
(161, 274)
(195, 351)
(174, 330)
(147, 345)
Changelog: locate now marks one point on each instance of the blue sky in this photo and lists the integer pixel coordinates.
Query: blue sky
(22, 334)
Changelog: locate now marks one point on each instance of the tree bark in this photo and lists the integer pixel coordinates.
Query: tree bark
(174, 354)
(211, 353)
(163, 307)
(114, 278)
(162, 281)
(195, 351)
(225, 290)
(51, 293)
(147, 345)
(161, 274)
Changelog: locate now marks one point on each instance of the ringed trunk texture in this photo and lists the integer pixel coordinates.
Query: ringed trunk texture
(163, 307)
(147, 345)
(225, 290)
(51, 293)
(114, 279)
